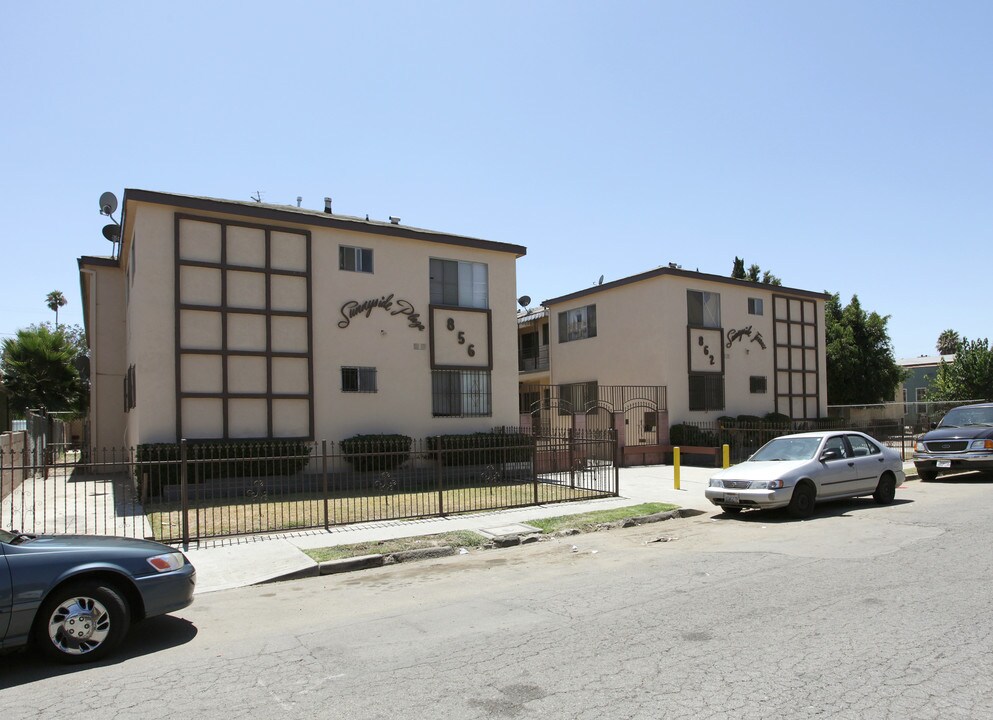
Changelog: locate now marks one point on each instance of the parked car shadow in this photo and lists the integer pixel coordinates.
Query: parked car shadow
(150, 636)
(822, 511)
(976, 477)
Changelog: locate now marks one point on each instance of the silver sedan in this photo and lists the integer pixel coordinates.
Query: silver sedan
(797, 471)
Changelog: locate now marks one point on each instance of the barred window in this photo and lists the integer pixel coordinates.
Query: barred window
(461, 393)
(577, 324)
(354, 259)
(757, 384)
(577, 397)
(706, 392)
(358, 379)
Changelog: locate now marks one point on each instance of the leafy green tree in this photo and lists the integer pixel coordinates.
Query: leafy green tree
(55, 300)
(39, 369)
(861, 369)
(948, 342)
(754, 273)
(969, 377)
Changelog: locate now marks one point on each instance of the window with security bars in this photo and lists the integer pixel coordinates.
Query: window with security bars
(706, 392)
(358, 379)
(459, 283)
(461, 393)
(757, 384)
(354, 259)
(577, 324)
(577, 397)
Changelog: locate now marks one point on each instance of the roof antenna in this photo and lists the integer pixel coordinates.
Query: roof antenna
(257, 197)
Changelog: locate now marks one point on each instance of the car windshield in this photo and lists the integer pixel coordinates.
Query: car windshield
(797, 448)
(6, 536)
(964, 416)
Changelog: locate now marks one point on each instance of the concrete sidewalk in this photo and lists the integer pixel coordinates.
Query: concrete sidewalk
(238, 562)
(227, 563)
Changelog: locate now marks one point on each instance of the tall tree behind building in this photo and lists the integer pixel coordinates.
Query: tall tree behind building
(861, 369)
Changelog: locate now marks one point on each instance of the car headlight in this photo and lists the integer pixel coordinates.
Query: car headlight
(981, 445)
(167, 562)
(716, 482)
(919, 447)
(766, 484)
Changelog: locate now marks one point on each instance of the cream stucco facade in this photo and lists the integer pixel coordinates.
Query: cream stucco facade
(744, 348)
(230, 320)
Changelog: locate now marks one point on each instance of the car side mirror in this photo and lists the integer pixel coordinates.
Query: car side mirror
(934, 425)
(831, 454)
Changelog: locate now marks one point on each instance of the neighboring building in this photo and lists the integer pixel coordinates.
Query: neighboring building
(717, 346)
(921, 372)
(230, 320)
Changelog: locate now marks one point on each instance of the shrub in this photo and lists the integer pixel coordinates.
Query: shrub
(749, 419)
(376, 452)
(684, 434)
(481, 448)
(211, 460)
(778, 419)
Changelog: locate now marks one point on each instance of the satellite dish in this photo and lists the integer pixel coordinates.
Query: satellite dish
(600, 281)
(108, 203)
(112, 232)
(524, 300)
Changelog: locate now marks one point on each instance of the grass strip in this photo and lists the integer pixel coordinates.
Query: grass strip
(584, 522)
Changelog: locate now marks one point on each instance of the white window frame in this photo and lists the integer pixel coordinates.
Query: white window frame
(366, 380)
(360, 259)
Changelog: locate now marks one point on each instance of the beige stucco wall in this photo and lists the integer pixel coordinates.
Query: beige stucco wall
(105, 324)
(642, 340)
(400, 353)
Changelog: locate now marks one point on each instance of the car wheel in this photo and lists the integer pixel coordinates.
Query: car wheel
(731, 510)
(926, 476)
(885, 489)
(802, 503)
(82, 622)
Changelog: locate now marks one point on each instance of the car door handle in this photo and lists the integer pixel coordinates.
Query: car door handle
(851, 464)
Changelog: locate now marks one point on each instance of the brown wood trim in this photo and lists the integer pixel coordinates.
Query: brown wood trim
(262, 211)
(489, 337)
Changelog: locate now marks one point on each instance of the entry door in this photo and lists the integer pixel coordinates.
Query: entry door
(839, 476)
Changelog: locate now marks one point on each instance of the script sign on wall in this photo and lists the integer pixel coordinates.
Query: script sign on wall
(354, 308)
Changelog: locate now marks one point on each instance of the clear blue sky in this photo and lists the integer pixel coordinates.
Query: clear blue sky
(845, 146)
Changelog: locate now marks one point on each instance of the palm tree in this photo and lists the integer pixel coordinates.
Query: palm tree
(55, 300)
(948, 342)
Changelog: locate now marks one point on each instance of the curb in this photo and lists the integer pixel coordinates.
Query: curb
(365, 562)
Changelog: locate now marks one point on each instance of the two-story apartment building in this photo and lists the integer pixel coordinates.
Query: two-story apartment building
(717, 345)
(225, 320)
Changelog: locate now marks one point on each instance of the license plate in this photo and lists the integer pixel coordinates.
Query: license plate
(943, 463)
(730, 498)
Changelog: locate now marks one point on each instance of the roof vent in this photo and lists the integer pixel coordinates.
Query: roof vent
(327, 205)
(394, 220)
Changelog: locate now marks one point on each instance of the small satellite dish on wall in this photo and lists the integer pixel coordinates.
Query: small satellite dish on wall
(524, 300)
(600, 281)
(112, 232)
(108, 203)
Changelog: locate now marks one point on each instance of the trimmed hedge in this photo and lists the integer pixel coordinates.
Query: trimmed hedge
(376, 453)
(481, 448)
(683, 434)
(208, 461)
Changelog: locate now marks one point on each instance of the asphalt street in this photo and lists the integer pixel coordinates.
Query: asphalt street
(864, 611)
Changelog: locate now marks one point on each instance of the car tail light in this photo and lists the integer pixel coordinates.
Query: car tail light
(167, 562)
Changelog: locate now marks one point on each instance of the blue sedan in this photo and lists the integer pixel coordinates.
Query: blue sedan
(75, 596)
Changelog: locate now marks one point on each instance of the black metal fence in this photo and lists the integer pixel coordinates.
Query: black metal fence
(744, 438)
(188, 491)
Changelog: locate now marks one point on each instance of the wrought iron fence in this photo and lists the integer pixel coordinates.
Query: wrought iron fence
(187, 491)
(743, 437)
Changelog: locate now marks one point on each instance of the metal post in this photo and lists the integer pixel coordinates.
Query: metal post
(616, 452)
(441, 478)
(184, 500)
(675, 468)
(324, 473)
(534, 462)
(570, 437)
(727, 456)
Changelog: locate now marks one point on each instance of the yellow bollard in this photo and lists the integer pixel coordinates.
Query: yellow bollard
(727, 456)
(675, 466)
